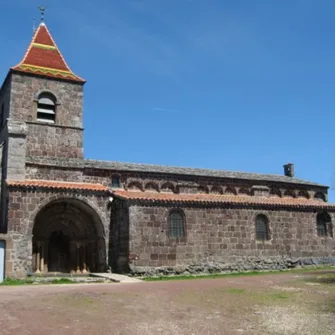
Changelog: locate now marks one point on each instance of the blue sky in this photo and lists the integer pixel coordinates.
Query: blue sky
(228, 84)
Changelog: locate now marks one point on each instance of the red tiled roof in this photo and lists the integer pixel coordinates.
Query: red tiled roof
(53, 184)
(43, 36)
(221, 198)
(44, 58)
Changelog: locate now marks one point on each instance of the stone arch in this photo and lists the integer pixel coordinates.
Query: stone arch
(67, 235)
(151, 186)
(203, 189)
(289, 193)
(230, 190)
(135, 185)
(319, 196)
(216, 190)
(244, 191)
(303, 194)
(47, 91)
(274, 192)
(53, 198)
(168, 187)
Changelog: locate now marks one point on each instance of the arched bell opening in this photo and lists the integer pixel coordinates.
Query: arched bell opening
(68, 237)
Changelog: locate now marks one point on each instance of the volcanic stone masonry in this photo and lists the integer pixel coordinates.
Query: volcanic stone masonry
(61, 212)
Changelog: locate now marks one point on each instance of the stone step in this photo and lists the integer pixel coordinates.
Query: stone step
(116, 277)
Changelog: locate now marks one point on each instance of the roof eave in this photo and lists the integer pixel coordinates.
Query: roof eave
(15, 70)
(226, 203)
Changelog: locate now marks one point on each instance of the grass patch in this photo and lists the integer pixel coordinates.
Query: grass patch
(30, 281)
(279, 296)
(15, 282)
(235, 290)
(234, 274)
(62, 281)
(323, 279)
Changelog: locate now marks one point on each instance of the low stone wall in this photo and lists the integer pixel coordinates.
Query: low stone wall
(248, 264)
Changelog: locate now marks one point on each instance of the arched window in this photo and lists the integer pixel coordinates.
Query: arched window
(176, 224)
(324, 225)
(46, 108)
(262, 228)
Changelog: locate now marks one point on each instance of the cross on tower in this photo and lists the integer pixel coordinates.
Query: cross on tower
(42, 10)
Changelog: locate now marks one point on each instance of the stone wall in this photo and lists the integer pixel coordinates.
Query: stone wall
(4, 111)
(119, 237)
(4, 106)
(54, 173)
(77, 170)
(65, 137)
(23, 206)
(54, 141)
(223, 239)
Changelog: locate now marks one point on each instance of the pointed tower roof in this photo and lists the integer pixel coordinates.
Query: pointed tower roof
(44, 58)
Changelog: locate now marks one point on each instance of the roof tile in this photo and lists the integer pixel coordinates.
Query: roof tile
(221, 198)
(44, 58)
(53, 184)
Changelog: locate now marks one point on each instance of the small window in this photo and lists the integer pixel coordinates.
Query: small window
(262, 228)
(324, 225)
(116, 182)
(46, 108)
(176, 225)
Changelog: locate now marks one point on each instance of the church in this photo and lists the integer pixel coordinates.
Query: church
(63, 213)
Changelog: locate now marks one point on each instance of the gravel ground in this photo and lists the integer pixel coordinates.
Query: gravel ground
(267, 304)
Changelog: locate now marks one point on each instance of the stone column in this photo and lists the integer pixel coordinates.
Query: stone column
(84, 258)
(38, 258)
(42, 257)
(46, 256)
(78, 258)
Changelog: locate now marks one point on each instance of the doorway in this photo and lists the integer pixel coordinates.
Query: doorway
(58, 260)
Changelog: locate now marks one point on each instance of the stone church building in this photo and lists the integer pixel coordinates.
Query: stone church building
(61, 212)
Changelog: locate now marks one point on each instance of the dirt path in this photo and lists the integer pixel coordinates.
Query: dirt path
(268, 304)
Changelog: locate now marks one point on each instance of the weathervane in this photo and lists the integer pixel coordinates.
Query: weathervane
(42, 10)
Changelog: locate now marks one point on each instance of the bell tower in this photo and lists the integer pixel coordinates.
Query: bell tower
(41, 111)
(47, 97)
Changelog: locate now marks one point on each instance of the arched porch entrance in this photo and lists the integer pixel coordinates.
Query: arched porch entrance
(68, 237)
